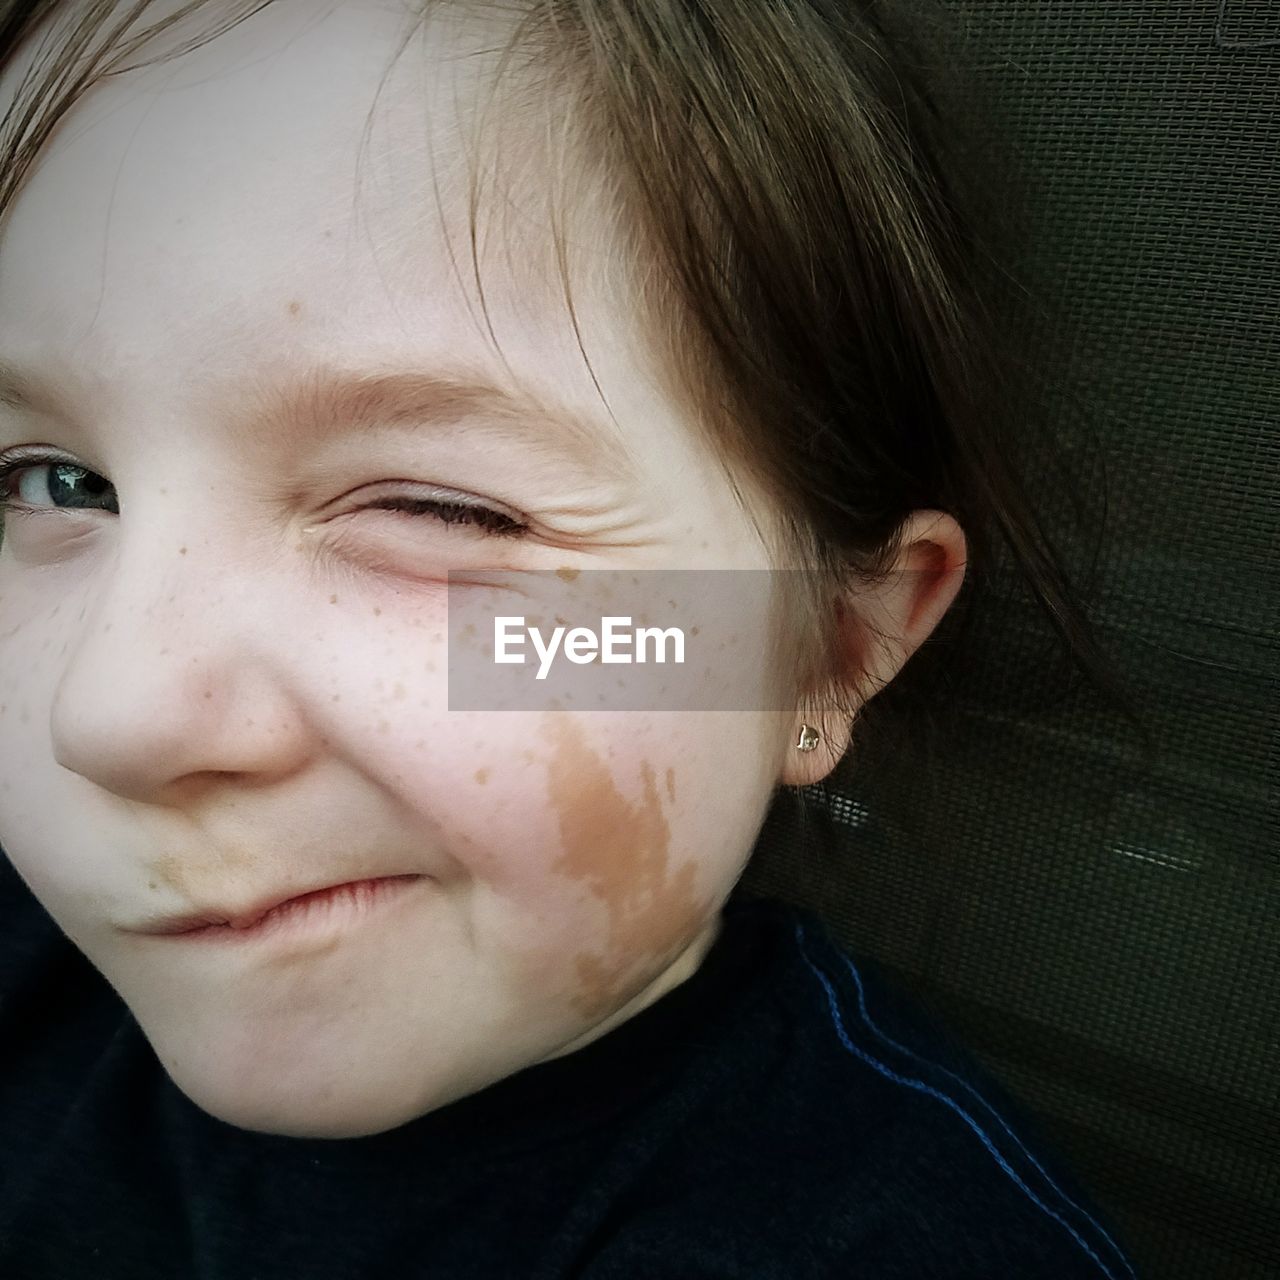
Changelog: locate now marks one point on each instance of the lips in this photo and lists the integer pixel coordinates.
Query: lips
(245, 917)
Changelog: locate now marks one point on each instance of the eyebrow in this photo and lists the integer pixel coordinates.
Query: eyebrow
(13, 388)
(325, 399)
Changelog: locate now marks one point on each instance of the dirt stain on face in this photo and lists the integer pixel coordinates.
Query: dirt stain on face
(172, 871)
(620, 850)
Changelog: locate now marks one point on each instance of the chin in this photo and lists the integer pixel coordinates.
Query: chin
(301, 1114)
(312, 1100)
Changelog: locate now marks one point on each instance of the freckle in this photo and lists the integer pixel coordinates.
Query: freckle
(249, 722)
(482, 776)
(208, 693)
(567, 575)
(333, 599)
(419, 745)
(151, 884)
(693, 631)
(294, 308)
(107, 628)
(182, 551)
(337, 697)
(528, 756)
(377, 613)
(163, 652)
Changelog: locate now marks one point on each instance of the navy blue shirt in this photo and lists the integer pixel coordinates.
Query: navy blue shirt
(783, 1113)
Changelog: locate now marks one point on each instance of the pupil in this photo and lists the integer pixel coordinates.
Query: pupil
(76, 487)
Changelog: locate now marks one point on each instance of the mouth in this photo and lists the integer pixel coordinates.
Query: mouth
(275, 908)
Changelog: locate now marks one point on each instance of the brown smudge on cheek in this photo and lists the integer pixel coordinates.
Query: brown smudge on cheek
(168, 869)
(173, 871)
(620, 850)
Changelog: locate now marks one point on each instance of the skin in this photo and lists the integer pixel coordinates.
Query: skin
(238, 684)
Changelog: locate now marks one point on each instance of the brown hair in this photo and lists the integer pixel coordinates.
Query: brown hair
(844, 331)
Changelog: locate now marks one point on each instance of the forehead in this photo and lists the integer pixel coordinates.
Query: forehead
(300, 187)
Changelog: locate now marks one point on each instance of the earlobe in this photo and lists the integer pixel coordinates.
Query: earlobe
(817, 745)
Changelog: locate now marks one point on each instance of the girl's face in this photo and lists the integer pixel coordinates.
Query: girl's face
(234, 687)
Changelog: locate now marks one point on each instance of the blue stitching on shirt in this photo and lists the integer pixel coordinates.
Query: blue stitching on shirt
(950, 1102)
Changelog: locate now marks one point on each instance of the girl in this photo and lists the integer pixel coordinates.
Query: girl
(322, 327)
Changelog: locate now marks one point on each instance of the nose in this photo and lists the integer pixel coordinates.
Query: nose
(179, 670)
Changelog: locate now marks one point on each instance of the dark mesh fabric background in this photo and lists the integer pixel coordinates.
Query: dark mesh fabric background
(1105, 934)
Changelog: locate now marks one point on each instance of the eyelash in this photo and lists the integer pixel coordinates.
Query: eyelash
(488, 521)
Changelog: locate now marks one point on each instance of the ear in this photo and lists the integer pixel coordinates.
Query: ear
(879, 629)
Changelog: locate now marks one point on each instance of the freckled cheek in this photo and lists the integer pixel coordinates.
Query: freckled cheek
(28, 675)
(30, 646)
(43, 836)
(470, 784)
(538, 828)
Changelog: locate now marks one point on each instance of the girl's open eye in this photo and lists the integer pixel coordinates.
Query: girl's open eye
(43, 482)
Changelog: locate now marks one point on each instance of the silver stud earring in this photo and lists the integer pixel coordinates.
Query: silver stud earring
(808, 739)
